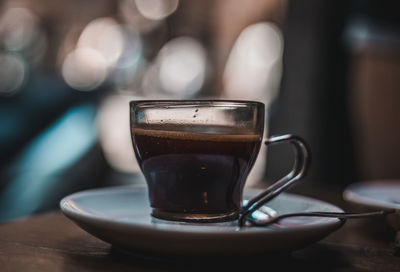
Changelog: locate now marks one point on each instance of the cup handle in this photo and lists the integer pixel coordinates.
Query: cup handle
(299, 170)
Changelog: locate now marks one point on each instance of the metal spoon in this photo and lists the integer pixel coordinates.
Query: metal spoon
(257, 220)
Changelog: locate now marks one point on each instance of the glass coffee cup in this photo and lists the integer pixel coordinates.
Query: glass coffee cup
(196, 156)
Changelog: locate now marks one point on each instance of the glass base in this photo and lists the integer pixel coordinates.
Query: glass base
(195, 217)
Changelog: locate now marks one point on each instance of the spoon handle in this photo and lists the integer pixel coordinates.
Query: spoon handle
(340, 215)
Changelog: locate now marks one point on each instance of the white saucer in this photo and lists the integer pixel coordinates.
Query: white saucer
(380, 194)
(121, 217)
(377, 195)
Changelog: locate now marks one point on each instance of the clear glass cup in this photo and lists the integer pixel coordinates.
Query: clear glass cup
(196, 156)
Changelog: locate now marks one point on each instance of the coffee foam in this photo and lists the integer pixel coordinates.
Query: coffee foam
(235, 136)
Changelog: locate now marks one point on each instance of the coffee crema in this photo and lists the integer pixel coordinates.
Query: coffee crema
(196, 172)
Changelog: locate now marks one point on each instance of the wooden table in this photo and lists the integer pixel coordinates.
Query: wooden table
(51, 242)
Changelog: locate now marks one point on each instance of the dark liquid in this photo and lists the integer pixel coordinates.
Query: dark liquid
(190, 172)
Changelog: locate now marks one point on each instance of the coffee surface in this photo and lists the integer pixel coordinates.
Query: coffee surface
(196, 172)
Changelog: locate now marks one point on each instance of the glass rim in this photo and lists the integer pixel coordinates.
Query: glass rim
(195, 102)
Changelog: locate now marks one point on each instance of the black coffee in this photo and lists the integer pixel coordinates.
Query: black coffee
(189, 172)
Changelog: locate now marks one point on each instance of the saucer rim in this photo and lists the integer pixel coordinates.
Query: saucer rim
(73, 213)
(148, 240)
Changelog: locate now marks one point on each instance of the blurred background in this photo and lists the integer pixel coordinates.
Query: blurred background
(328, 71)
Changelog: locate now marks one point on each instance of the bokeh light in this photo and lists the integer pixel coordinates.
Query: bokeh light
(21, 33)
(19, 28)
(253, 68)
(105, 36)
(105, 49)
(182, 64)
(127, 71)
(132, 48)
(114, 133)
(12, 74)
(130, 13)
(156, 9)
(84, 69)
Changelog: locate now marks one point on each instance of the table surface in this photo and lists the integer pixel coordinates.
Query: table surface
(51, 242)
